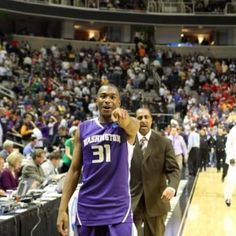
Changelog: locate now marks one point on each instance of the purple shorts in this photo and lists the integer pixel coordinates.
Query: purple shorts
(122, 229)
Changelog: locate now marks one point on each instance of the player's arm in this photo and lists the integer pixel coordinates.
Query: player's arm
(128, 123)
(71, 182)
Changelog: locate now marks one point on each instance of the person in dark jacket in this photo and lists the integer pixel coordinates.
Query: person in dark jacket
(153, 163)
(204, 150)
(220, 148)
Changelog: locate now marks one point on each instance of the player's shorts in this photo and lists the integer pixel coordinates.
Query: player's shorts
(122, 229)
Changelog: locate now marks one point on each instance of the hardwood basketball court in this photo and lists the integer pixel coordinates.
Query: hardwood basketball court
(207, 214)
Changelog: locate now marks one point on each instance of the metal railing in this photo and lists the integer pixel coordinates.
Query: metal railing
(152, 6)
(160, 120)
(4, 92)
(72, 3)
(178, 7)
(170, 7)
(230, 8)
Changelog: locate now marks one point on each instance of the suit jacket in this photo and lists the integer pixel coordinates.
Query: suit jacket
(149, 174)
(33, 171)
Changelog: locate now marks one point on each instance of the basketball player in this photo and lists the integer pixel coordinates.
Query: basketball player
(103, 147)
(230, 179)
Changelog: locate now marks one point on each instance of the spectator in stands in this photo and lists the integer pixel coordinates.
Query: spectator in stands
(213, 79)
(59, 139)
(51, 165)
(33, 170)
(2, 125)
(27, 127)
(7, 149)
(39, 137)
(52, 126)
(43, 127)
(29, 149)
(9, 176)
(69, 148)
(2, 161)
(199, 6)
(92, 106)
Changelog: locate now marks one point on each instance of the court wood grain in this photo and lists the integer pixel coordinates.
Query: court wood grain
(208, 215)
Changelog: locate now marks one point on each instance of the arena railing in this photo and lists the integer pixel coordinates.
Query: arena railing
(230, 8)
(170, 7)
(160, 120)
(152, 6)
(4, 92)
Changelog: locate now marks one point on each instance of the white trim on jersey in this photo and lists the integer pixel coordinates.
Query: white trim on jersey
(130, 149)
(130, 152)
(134, 230)
(73, 212)
(97, 122)
(128, 212)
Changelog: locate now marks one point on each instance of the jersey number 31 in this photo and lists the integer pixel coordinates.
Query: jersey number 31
(103, 152)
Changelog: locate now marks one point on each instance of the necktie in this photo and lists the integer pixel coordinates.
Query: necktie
(143, 144)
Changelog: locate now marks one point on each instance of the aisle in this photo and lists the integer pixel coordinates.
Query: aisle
(208, 215)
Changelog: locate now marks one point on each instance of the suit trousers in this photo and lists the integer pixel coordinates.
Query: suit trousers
(203, 158)
(193, 161)
(220, 155)
(153, 225)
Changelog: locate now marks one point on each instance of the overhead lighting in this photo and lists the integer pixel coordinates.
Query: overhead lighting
(76, 26)
(184, 30)
(200, 38)
(91, 34)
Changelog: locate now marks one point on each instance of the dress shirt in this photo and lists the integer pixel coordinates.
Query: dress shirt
(179, 145)
(193, 140)
(147, 137)
(49, 169)
(28, 150)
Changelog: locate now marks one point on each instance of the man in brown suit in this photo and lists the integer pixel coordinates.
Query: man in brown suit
(153, 163)
(32, 171)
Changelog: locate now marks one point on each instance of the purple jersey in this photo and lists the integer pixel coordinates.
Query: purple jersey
(104, 197)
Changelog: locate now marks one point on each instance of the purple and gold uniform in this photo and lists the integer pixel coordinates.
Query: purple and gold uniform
(104, 197)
